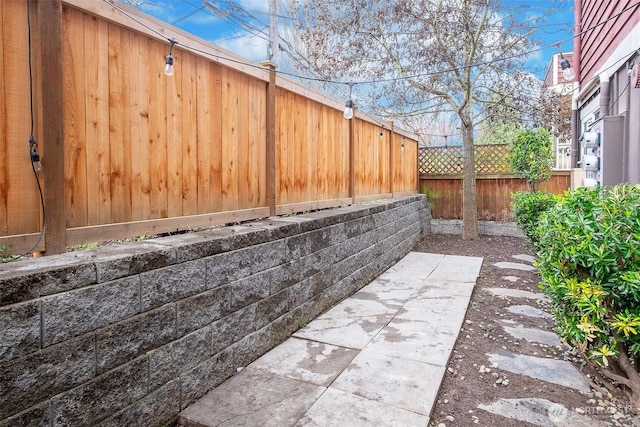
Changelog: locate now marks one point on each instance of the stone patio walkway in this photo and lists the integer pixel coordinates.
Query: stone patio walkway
(375, 359)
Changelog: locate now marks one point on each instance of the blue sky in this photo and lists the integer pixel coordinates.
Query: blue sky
(192, 16)
(558, 27)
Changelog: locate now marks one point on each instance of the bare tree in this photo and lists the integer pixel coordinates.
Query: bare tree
(137, 4)
(421, 57)
(553, 112)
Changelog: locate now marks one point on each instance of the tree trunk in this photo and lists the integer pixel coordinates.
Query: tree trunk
(631, 371)
(469, 207)
(635, 399)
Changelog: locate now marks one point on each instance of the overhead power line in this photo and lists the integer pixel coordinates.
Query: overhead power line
(386, 80)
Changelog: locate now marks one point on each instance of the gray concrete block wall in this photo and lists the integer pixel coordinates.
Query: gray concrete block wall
(489, 228)
(131, 334)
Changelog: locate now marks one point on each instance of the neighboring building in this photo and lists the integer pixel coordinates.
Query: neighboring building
(606, 102)
(555, 81)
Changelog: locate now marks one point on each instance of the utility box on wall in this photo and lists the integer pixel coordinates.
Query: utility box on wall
(603, 153)
(613, 164)
(590, 161)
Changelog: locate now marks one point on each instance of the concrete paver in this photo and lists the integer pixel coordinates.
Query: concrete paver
(530, 311)
(442, 315)
(554, 371)
(253, 398)
(519, 331)
(412, 270)
(540, 412)
(310, 361)
(514, 266)
(377, 358)
(456, 269)
(419, 341)
(388, 292)
(394, 381)
(532, 410)
(442, 292)
(515, 293)
(340, 409)
(525, 257)
(352, 332)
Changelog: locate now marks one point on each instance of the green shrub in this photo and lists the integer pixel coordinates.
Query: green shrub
(528, 207)
(588, 256)
(6, 255)
(532, 155)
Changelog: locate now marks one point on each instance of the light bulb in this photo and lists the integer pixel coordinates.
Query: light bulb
(569, 74)
(567, 71)
(35, 161)
(168, 68)
(348, 110)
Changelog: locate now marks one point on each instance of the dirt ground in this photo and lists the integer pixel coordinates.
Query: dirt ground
(464, 386)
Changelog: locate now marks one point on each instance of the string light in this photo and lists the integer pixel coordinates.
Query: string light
(348, 106)
(35, 156)
(168, 67)
(567, 70)
(427, 74)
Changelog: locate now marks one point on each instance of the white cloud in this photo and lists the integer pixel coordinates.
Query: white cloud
(251, 47)
(255, 5)
(203, 19)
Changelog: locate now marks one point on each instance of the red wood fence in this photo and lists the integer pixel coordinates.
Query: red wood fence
(493, 194)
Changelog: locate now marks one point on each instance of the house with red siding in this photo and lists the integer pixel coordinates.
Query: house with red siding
(555, 81)
(606, 93)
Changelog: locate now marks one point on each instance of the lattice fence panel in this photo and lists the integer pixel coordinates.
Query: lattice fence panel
(490, 159)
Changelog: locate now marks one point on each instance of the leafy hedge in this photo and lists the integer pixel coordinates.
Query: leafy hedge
(528, 207)
(532, 155)
(588, 256)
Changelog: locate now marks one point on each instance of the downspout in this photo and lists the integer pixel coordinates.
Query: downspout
(575, 128)
(629, 168)
(575, 117)
(604, 94)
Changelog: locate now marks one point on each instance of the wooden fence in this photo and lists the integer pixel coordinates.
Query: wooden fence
(129, 151)
(490, 159)
(441, 179)
(493, 194)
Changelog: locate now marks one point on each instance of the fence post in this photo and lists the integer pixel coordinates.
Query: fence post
(271, 137)
(50, 39)
(352, 159)
(391, 161)
(418, 165)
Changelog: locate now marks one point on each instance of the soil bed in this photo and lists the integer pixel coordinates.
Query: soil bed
(465, 386)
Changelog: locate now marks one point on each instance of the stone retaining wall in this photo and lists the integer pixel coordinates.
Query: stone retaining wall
(130, 334)
(488, 228)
